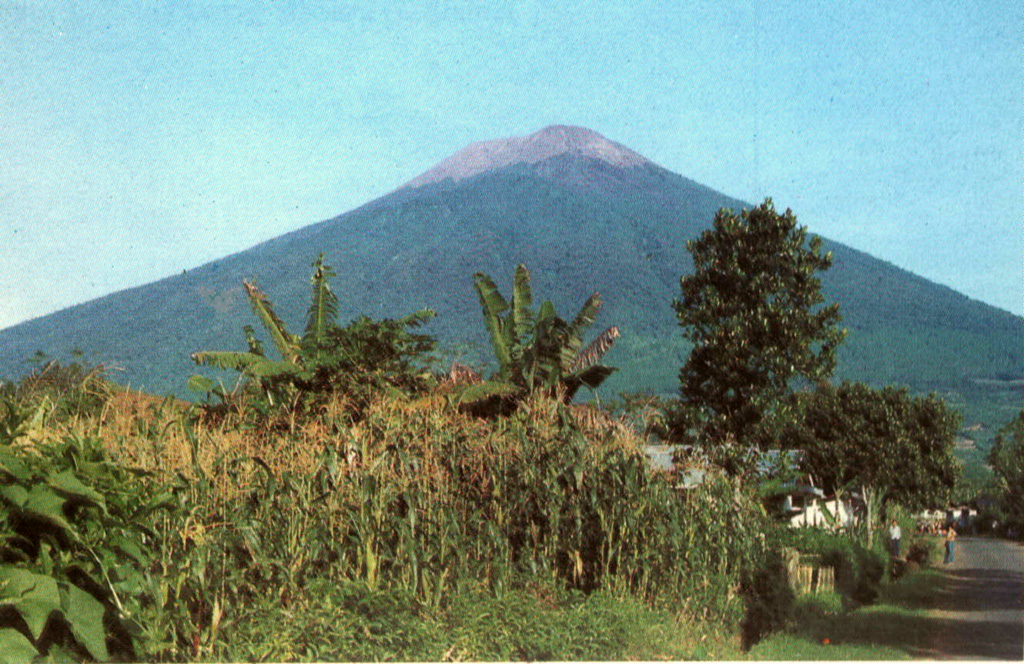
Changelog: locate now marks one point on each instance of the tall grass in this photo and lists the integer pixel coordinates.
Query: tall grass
(414, 497)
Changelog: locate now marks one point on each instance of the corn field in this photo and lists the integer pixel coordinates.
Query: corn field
(417, 497)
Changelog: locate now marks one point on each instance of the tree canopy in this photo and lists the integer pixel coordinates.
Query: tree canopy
(885, 440)
(754, 310)
(1007, 461)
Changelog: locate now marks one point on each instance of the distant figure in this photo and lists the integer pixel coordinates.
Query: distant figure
(950, 544)
(895, 535)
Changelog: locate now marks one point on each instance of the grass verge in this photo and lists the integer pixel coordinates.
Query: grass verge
(895, 627)
(349, 622)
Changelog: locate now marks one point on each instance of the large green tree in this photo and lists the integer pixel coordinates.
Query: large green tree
(1007, 461)
(892, 446)
(754, 311)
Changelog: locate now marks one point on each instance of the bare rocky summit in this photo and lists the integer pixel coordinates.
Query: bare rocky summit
(553, 141)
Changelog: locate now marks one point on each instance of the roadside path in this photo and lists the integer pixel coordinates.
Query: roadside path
(980, 614)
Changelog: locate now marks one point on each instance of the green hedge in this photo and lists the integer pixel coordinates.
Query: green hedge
(859, 570)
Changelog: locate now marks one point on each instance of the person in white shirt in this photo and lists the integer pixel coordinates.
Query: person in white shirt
(895, 535)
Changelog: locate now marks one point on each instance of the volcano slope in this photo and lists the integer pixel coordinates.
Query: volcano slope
(584, 214)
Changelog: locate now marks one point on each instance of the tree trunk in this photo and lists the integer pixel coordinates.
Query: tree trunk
(871, 501)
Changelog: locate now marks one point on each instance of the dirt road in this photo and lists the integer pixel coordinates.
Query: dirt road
(981, 612)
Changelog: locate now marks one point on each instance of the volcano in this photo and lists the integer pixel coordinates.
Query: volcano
(583, 213)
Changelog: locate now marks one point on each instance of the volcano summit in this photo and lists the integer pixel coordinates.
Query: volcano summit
(547, 143)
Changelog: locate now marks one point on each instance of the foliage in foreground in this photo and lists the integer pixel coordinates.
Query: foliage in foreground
(414, 506)
(896, 626)
(858, 570)
(538, 621)
(74, 540)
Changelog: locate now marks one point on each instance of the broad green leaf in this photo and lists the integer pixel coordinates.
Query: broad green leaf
(128, 546)
(66, 484)
(197, 383)
(584, 319)
(14, 495)
(522, 305)
(323, 307)
(162, 500)
(595, 350)
(84, 614)
(46, 504)
(286, 343)
(271, 369)
(228, 359)
(34, 596)
(15, 648)
(57, 654)
(417, 318)
(546, 312)
(493, 305)
(570, 351)
(14, 467)
(592, 377)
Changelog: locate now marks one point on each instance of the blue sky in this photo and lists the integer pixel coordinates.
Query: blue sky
(141, 139)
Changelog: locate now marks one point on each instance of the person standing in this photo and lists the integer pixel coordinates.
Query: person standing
(895, 535)
(950, 544)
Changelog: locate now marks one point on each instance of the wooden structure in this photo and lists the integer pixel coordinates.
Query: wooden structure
(807, 575)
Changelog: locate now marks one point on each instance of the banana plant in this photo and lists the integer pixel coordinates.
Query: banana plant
(253, 363)
(535, 350)
(303, 360)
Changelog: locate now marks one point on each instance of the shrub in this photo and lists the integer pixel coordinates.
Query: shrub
(769, 599)
(858, 570)
(60, 392)
(336, 621)
(920, 552)
(871, 566)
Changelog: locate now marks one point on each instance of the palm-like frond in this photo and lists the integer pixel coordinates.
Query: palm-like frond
(538, 351)
(272, 369)
(323, 306)
(546, 349)
(522, 305)
(574, 339)
(417, 318)
(595, 350)
(546, 313)
(287, 344)
(592, 377)
(494, 305)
